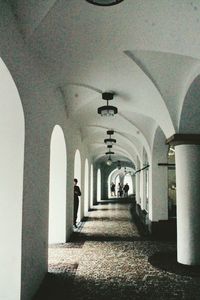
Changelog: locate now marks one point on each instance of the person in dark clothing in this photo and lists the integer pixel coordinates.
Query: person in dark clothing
(113, 189)
(120, 190)
(126, 189)
(77, 193)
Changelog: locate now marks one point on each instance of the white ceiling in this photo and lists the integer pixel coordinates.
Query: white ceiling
(144, 51)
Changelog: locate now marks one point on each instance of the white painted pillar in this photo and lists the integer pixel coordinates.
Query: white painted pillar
(188, 203)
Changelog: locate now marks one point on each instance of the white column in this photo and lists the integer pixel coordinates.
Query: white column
(188, 203)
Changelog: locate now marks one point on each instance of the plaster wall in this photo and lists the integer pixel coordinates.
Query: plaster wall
(43, 108)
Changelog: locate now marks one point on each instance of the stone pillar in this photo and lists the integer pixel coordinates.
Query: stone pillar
(187, 151)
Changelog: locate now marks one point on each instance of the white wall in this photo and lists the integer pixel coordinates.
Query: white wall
(43, 107)
(12, 134)
(57, 187)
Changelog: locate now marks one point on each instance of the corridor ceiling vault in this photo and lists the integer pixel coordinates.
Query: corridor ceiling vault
(143, 51)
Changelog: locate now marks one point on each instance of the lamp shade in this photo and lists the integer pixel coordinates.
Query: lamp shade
(107, 111)
(110, 152)
(104, 2)
(110, 141)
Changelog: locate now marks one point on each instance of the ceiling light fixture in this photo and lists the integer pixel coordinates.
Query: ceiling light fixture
(107, 110)
(109, 161)
(109, 153)
(110, 141)
(104, 2)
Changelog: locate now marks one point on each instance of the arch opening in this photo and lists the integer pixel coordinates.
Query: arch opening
(12, 135)
(57, 187)
(121, 176)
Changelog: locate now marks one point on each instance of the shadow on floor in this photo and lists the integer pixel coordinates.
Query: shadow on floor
(109, 219)
(167, 261)
(80, 236)
(55, 286)
(62, 287)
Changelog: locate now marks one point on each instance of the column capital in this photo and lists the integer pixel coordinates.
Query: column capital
(183, 139)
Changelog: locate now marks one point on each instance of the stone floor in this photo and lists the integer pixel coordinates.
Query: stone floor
(107, 258)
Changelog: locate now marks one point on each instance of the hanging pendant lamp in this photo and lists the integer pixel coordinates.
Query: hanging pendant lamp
(107, 110)
(110, 141)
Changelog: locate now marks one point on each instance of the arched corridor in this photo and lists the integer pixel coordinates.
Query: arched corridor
(109, 257)
(106, 92)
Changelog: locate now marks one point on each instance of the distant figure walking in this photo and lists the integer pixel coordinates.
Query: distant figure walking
(113, 189)
(77, 193)
(126, 189)
(120, 190)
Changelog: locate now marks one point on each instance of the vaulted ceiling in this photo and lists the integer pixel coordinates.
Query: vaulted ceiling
(146, 52)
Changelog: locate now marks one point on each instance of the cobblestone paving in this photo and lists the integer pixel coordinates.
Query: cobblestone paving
(108, 259)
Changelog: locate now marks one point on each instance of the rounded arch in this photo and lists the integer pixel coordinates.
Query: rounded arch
(77, 175)
(86, 188)
(12, 135)
(118, 175)
(57, 187)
